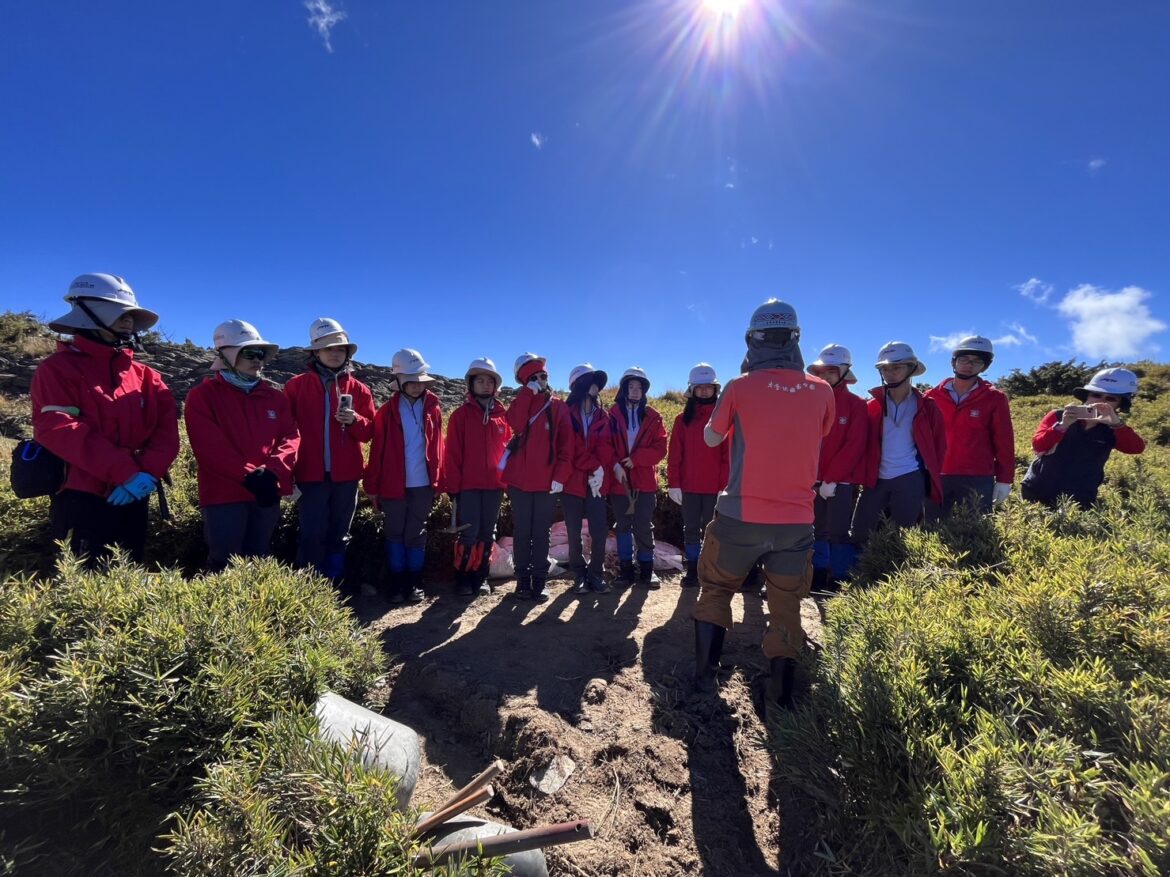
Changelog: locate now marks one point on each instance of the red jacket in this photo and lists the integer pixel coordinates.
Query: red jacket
(544, 455)
(591, 450)
(691, 464)
(980, 440)
(473, 447)
(386, 471)
(127, 422)
(648, 450)
(306, 397)
(1048, 436)
(930, 437)
(233, 432)
(843, 449)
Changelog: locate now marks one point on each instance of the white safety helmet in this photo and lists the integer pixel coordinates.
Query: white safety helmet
(483, 366)
(632, 372)
(975, 345)
(234, 334)
(408, 365)
(586, 368)
(105, 297)
(835, 356)
(702, 373)
(521, 367)
(897, 352)
(325, 333)
(1120, 382)
(773, 314)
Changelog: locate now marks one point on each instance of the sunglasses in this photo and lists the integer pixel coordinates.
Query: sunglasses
(254, 353)
(1106, 396)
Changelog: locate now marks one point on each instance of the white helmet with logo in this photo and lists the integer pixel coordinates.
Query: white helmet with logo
(702, 373)
(1120, 382)
(898, 352)
(105, 297)
(522, 370)
(975, 345)
(408, 365)
(231, 335)
(632, 372)
(838, 357)
(586, 368)
(773, 314)
(325, 333)
(483, 366)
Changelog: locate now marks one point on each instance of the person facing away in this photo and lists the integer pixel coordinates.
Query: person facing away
(775, 417)
(110, 418)
(245, 444)
(334, 413)
(1074, 443)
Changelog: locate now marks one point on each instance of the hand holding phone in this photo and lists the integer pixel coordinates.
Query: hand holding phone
(345, 410)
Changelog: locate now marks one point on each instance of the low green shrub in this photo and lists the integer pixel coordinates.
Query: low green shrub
(118, 688)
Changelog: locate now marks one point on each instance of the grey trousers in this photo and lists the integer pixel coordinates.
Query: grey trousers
(532, 515)
(832, 517)
(697, 511)
(325, 511)
(405, 520)
(576, 510)
(480, 509)
(898, 498)
(238, 528)
(640, 523)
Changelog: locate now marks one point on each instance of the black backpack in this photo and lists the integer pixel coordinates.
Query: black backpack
(36, 471)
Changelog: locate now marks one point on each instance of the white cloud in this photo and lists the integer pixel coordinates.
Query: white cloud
(1096, 164)
(1020, 334)
(538, 139)
(939, 343)
(323, 18)
(1017, 337)
(729, 185)
(1036, 290)
(1107, 324)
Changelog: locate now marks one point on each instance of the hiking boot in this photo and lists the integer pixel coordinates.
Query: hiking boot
(690, 578)
(646, 576)
(484, 589)
(524, 587)
(539, 589)
(625, 576)
(708, 648)
(597, 583)
(464, 584)
(414, 587)
(779, 689)
(580, 584)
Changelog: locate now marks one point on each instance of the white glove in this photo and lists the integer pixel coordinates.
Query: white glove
(828, 489)
(534, 385)
(675, 494)
(596, 479)
(557, 487)
(1000, 493)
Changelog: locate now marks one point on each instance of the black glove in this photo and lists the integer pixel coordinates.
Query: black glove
(264, 486)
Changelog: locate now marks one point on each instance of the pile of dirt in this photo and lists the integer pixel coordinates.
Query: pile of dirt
(671, 784)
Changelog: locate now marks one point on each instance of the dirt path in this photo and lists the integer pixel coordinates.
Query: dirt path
(671, 785)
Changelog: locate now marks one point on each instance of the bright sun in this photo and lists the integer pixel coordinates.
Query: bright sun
(725, 8)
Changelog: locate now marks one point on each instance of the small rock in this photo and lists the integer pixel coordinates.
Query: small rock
(550, 779)
(595, 690)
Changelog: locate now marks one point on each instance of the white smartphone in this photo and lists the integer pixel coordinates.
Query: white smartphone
(345, 402)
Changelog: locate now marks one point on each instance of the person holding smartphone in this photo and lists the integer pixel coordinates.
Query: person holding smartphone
(1074, 443)
(334, 412)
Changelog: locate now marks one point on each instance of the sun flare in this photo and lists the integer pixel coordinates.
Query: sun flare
(724, 8)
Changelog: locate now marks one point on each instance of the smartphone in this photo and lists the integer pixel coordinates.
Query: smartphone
(1082, 412)
(345, 402)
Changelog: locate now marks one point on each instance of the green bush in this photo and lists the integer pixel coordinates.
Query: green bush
(118, 688)
(1005, 711)
(286, 804)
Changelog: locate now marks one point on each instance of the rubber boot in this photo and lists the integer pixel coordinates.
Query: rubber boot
(779, 689)
(524, 587)
(690, 578)
(646, 576)
(625, 576)
(708, 648)
(842, 560)
(394, 583)
(539, 589)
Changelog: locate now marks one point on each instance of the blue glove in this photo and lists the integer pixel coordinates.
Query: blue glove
(120, 496)
(141, 485)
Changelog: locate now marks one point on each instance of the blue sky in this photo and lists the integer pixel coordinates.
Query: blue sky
(620, 182)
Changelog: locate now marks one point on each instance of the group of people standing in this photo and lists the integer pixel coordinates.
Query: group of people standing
(785, 471)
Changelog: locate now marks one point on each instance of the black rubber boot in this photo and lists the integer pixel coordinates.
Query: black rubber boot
(708, 648)
(646, 576)
(779, 690)
(524, 587)
(539, 589)
(625, 574)
(690, 578)
(413, 591)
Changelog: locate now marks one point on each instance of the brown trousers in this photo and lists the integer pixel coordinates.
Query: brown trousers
(730, 549)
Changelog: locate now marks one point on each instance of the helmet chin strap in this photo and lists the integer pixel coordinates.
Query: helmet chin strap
(127, 340)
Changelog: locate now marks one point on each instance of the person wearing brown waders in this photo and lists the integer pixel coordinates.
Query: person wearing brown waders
(775, 416)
